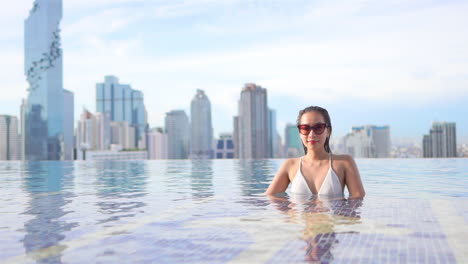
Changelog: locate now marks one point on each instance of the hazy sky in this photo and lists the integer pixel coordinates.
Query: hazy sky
(397, 63)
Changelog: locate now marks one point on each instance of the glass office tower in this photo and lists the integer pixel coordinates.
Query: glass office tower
(44, 116)
(123, 104)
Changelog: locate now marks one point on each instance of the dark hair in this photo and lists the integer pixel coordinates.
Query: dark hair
(326, 117)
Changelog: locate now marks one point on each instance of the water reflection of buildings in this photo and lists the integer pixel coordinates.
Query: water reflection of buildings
(119, 185)
(254, 175)
(201, 178)
(49, 185)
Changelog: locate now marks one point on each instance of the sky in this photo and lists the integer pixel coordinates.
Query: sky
(383, 62)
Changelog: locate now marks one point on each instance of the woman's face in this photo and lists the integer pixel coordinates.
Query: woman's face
(312, 138)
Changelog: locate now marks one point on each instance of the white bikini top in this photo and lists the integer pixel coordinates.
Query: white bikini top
(331, 186)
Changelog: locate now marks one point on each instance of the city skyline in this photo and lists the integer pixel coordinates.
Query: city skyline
(396, 65)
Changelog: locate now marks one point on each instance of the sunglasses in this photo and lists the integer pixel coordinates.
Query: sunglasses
(317, 128)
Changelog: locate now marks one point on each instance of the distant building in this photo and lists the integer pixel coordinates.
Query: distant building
(278, 149)
(123, 104)
(225, 146)
(69, 116)
(123, 134)
(103, 131)
(9, 138)
(23, 110)
(274, 144)
(368, 142)
(201, 127)
(177, 129)
(427, 146)
(252, 130)
(235, 136)
(86, 132)
(293, 146)
(157, 144)
(441, 141)
(115, 155)
(46, 130)
(93, 132)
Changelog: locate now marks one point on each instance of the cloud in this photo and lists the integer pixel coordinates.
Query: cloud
(387, 52)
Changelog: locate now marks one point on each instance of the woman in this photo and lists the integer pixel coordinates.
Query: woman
(318, 172)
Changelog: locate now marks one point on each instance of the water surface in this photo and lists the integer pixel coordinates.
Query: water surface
(213, 211)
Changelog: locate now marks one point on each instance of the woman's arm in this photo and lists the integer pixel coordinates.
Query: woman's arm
(281, 180)
(353, 179)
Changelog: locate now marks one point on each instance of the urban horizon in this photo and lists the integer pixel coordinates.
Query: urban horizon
(396, 141)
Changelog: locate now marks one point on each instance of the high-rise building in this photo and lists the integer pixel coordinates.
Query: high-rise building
(235, 136)
(368, 142)
(274, 139)
(86, 132)
(123, 104)
(157, 144)
(93, 132)
(23, 111)
(177, 129)
(9, 138)
(225, 146)
(252, 128)
(68, 114)
(44, 133)
(381, 139)
(201, 127)
(104, 137)
(278, 149)
(441, 141)
(292, 142)
(427, 146)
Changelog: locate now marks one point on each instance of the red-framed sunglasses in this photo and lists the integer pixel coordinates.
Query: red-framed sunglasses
(317, 128)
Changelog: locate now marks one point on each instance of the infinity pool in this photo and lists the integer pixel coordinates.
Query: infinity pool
(213, 211)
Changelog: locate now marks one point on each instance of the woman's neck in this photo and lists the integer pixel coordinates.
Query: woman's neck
(316, 155)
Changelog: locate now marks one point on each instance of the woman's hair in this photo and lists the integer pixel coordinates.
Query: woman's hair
(326, 117)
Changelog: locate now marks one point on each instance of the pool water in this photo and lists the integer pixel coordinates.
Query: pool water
(213, 211)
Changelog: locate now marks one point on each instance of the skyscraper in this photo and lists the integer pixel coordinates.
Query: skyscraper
(235, 136)
(201, 127)
(177, 128)
(123, 104)
(441, 141)
(103, 130)
(252, 129)
(368, 142)
(68, 114)
(381, 139)
(9, 138)
(292, 142)
(273, 137)
(44, 113)
(23, 109)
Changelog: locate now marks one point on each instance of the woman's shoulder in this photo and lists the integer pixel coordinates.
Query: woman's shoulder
(343, 159)
(291, 162)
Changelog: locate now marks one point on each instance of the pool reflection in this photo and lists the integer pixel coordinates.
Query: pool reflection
(201, 178)
(48, 184)
(320, 217)
(120, 186)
